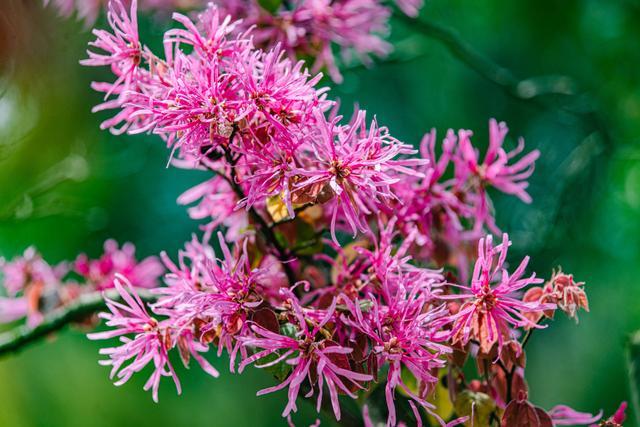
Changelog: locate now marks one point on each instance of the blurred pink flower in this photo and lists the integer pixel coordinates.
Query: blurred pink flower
(33, 287)
(29, 269)
(12, 309)
(410, 7)
(494, 170)
(100, 273)
(562, 415)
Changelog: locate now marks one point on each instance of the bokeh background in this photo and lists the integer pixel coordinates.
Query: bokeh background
(569, 84)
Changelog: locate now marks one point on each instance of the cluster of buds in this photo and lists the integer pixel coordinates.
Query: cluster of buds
(561, 290)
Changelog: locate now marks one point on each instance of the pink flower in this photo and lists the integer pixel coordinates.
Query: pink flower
(311, 28)
(217, 202)
(192, 267)
(619, 417)
(494, 170)
(123, 51)
(390, 264)
(355, 25)
(100, 273)
(490, 311)
(277, 90)
(88, 10)
(410, 7)
(150, 343)
(315, 358)
(287, 169)
(432, 210)
(12, 309)
(191, 115)
(215, 297)
(356, 164)
(33, 287)
(403, 335)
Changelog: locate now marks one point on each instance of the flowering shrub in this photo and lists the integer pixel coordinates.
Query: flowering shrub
(347, 261)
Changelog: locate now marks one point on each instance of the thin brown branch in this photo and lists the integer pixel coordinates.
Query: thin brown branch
(263, 227)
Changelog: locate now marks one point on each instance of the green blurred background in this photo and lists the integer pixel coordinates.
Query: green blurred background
(65, 187)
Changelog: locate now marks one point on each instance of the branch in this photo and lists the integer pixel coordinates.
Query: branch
(464, 52)
(486, 67)
(523, 89)
(85, 305)
(264, 228)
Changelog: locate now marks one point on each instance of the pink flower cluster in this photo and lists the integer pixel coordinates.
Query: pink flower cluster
(32, 288)
(446, 206)
(302, 28)
(99, 273)
(347, 265)
(311, 28)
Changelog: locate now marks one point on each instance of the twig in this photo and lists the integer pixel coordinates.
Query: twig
(267, 232)
(524, 89)
(462, 50)
(510, 373)
(578, 104)
(527, 337)
(82, 307)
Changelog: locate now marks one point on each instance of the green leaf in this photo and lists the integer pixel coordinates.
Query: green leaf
(307, 241)
(270, 6)
(288, 330)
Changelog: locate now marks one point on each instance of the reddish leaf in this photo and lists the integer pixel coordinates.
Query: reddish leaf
(520, 413)
(372, 366)
(266, 318)
(518, 383)
(545, 419)
(341, 361)
(360, 348)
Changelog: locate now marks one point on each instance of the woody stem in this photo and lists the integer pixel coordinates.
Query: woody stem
(21, 336)
(267, 232)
